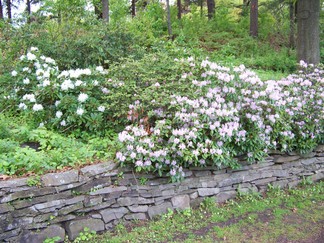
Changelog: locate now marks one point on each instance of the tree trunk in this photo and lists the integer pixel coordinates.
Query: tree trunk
(133, 8)
(28, 5)
(211, 8)
(308, 31)
(169, 19)
(201, 2)
(9, 9)
(1, 10)
(179, 8)
(105, 10)
(254, 18)
(292, 25)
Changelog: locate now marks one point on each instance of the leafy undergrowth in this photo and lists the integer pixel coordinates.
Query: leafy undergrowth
(26, 150)
(293, 215)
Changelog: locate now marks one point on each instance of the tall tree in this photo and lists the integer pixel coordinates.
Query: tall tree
(8, 3)
(308, 31)
(133, 8)
(211, 8)
(105, 10)
(179, 8)
(28, 7)
(1, 10)
(169, 18)
(254, 18)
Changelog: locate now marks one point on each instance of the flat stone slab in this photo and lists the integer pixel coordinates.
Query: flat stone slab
(113, 213)
(136, 216)
(108, 190)
(97, 169)
(50, 232)
(203, 192)
(284, 159)
(138, 209)
(27, 194)
(74, 227)
(58, 179)
(181, 202)
(4, 208)
(14, 183)
(159, 209)
(224, 196)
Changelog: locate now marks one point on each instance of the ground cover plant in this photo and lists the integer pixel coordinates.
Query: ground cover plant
(294, 215)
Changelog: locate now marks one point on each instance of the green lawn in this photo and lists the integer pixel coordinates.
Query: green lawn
(294, 215)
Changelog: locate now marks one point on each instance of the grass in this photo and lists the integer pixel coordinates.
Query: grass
(292, 215)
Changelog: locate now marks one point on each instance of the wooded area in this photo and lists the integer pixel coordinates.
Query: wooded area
(306, 13)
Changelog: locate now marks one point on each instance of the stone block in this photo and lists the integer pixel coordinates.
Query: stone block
(181, 202)
(56, 204)
(211, 183)
(58, 179)
(100, 206)
(69, 186)
(18, 223)
(285, 159)
(114, 213)
(70, 208)
(97, 169)
(9, 234)
(62, 219)
(27, 194)
(280, 184)
(265, 181)
(4, 208)
(168, 193)
(13, 183)
(280, 173)
(108, 190)
(203, 192)
(30, 211)
(309, 161)
(136, 216)
(41, 199)
(308, 155)
(44, 217)
(202, 173)
(92, 201)
(138, 209)
(230, 181)
(50, 232)
(94, 184)
(126, 201)
(317, 177)
(224, 196)
(193, 195)
(142, 200)
(74, 227)
(159, 209)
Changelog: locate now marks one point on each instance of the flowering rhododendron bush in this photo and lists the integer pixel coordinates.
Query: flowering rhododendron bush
(176, 113)
(231, 113)
(65, 100)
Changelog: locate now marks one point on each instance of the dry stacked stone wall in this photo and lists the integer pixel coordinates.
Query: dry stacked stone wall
(100, 196)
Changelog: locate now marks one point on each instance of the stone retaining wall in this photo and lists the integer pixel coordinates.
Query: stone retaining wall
(99, 196)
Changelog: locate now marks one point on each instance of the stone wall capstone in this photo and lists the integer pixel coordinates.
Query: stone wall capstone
(99, 196)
